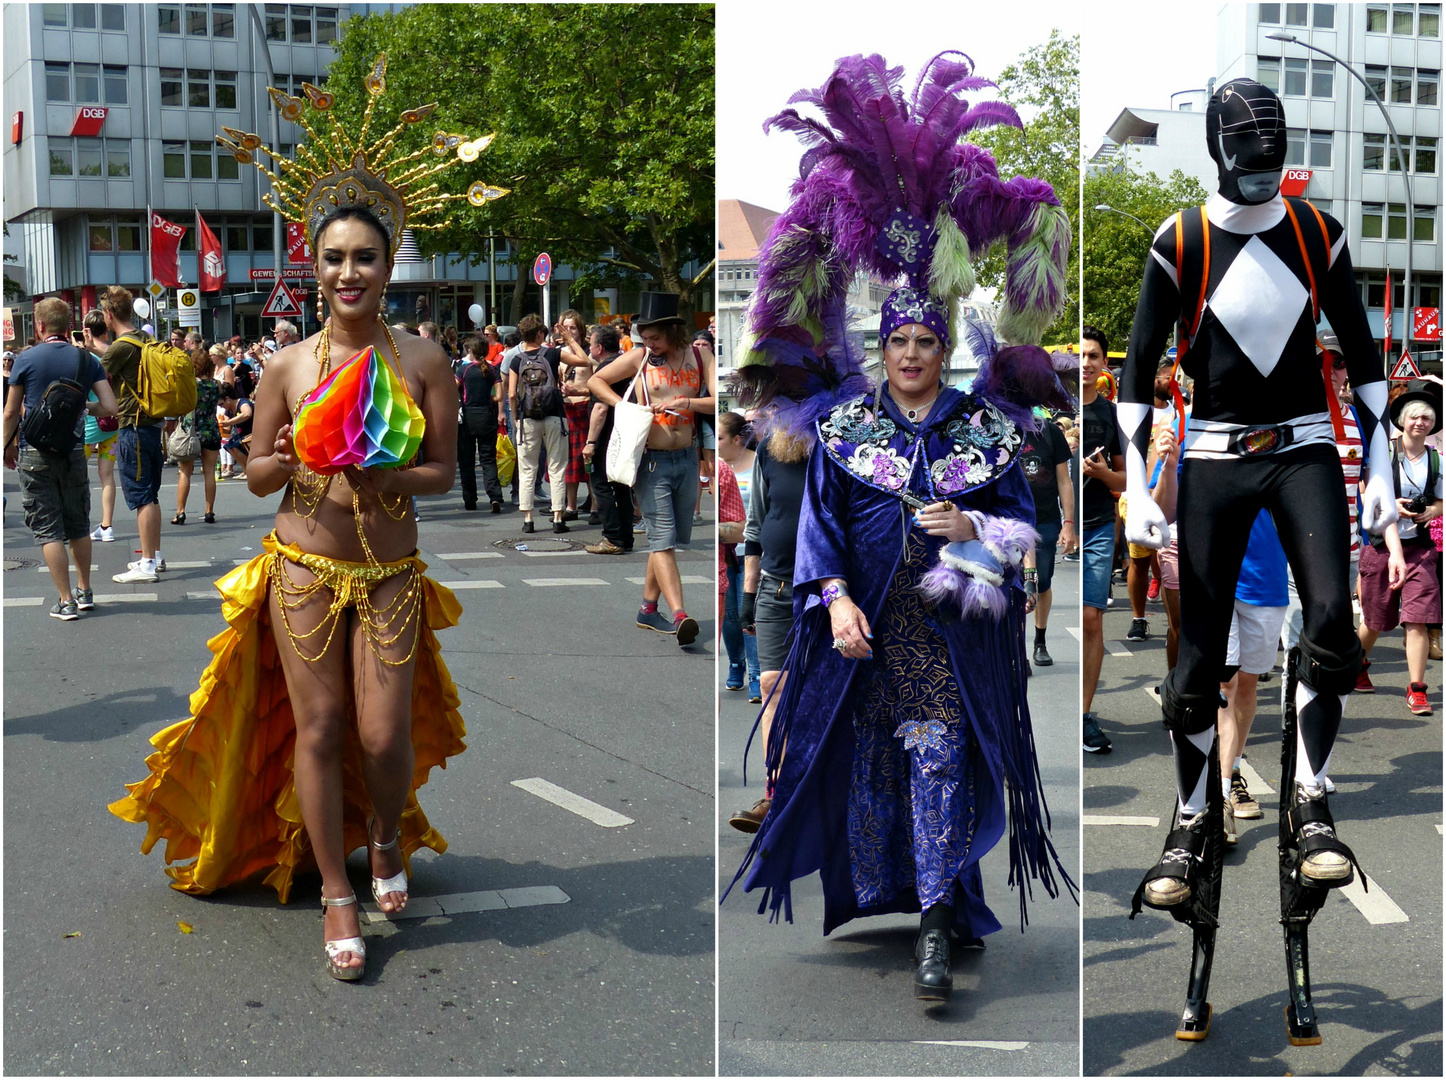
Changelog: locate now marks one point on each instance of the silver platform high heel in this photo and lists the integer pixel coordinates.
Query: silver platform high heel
(397, 883)
(334, 949)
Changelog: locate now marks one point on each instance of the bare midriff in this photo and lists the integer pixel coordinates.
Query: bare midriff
(670, 383)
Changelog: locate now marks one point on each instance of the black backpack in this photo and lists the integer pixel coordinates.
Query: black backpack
(51, 425)
(538, 395)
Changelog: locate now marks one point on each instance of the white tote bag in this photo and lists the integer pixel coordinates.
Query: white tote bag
(629, 439)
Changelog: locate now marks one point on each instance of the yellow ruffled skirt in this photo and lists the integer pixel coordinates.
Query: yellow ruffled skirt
(220, 791)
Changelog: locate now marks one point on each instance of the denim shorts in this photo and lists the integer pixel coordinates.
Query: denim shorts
(667, 488)
(55, 494)
(1044, 552)
(772, 621)
(138, 464)
(1098, 548)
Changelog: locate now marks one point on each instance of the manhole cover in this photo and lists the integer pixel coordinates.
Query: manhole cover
(538, 543)
(16, 563)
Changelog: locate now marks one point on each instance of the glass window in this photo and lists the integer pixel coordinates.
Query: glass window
(1320, 149)
(100, 238)
(1400, 86)
(301, 24)
(128, 233)
(116, 89)
(1295, 14)
(1294, 146)
(1324, 16)
(87, 157)
(225, 89)
(1371, 216)
(1376, 20)
(1402, 16)
(198, 89)
(1425, 155)
(1427, 86)
(1396, 159)
(1429, 20)
(1376, 292)
(173, 161)
(196, 20)
(223, 20)
(1425, 224)
(57, 81)
(325, 25)
(168, 18)
(1428, 295)
(261, 235)
(1322, 79)
(237, 238)
(82, 16)
(61, 153)
(117, 157)
(1376, 79)
(1396, 222)
(1295, 72)
(112, 17)
(275, 22)
(172, 90)
(1270, 13)
(227, 168)
(200, 160)
(53, 15)
(1267, 72)
(87, 83)
(1374, 156)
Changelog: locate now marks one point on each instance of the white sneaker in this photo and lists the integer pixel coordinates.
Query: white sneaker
(103, 534)
(137, 574)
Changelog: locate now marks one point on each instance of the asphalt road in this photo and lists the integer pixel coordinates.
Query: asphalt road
(559, 946)
(792, 1002)
(1376, 984)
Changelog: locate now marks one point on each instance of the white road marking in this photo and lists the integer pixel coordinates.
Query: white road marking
(543, 582)
(594, 812)
(1117, 648)
(45, 569)
(1441, 829)
(425, 907)
(23, 601)
(1075, 632)
(1119, 819)
(978, 1044)
(1254, 781)
(195, 564)
(458, 555)
(212, 595)
(480, 584)
(1154, 693)
(1376, 906)
(550, 554)
(127, 598)
(688, 579)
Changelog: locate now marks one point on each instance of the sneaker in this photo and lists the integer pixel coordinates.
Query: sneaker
(103, 534)
(1139, 630)
(604, 547)
(1154, 590)
(160, 565)
(1433, 647)
(1322, 865)
(755, 692)
(686, 629)
(1363, 680)
(1095, 740)
(750, 821)
(1240, 798)
(1416, 699)
(655, 620)
(1164, 892)
(136, 575)
(85, 599)
(735, 677)
(1041, 656)
(1232, 835)
(65, 610)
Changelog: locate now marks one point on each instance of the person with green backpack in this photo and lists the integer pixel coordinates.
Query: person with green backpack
(153, 381)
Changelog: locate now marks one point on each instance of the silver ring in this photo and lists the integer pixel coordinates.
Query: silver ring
(840, 644)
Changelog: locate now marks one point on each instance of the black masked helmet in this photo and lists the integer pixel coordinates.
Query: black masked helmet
(1245, 133)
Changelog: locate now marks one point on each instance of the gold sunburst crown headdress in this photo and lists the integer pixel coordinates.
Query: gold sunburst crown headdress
(333, 170)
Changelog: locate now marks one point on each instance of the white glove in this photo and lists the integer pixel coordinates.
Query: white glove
(1145, 523)
(1378, 502)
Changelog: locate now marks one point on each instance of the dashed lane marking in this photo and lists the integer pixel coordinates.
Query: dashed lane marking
(558, 796)
(1117, 648)
(425, 907)
(479, 584)
(1441, 829)
(543, 582)
(23, 601)
(688, 579)
(1119, 819)
(978, 1044)
(127, 598)
(1376, 906)
(550, 554)
(1254, 781)
(1075, 632)
(457, 556)
(45, 569)
(211, 595)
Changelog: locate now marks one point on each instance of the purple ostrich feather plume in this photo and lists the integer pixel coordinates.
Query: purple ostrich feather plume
(1018, 378)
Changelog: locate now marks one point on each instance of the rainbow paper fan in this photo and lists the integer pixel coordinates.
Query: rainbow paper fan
(361, 414)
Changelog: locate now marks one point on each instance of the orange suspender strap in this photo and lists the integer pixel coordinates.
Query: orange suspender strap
(1338, 422)
(1188, 334)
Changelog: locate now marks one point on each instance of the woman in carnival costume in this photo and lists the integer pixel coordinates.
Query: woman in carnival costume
(902, 748)
(327, 703)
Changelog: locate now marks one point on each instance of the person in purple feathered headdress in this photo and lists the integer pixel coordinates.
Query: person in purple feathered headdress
(901, 749)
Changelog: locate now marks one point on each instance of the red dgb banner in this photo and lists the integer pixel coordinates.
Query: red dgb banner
(89, 119)
(166, 251)
(1294, 182)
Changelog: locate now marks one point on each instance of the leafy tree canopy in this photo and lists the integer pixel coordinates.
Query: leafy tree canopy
(604, 116)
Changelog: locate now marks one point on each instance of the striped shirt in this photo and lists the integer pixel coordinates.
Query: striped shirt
(1352, 451)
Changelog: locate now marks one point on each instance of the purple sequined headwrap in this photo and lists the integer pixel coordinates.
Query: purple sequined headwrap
(907, 305)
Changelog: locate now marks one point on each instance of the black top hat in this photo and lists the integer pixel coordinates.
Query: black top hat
(1419, 390)
(656, 308)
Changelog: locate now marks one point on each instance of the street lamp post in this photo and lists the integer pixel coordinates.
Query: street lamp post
(1111, 210)
(277, 227)
(1396, 145)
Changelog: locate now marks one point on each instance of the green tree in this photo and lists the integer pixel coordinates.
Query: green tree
(1043, 86)
(1115, 248)
(604, 116)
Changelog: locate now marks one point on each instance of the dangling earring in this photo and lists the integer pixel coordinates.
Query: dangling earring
(320, 317)
(382, 310)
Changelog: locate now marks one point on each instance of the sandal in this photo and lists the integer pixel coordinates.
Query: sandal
(334, 949)
(397, 883)
(179, 519)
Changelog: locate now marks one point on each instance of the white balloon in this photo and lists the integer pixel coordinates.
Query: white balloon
(475, 314)
(142, 306)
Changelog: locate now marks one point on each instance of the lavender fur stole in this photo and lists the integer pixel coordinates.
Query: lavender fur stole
(971, 574)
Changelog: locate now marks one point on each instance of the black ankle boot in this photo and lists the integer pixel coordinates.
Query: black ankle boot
(933, 981)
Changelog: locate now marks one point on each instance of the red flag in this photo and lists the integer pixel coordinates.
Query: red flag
(1388, 317)
(213, 267)
(166, 251)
